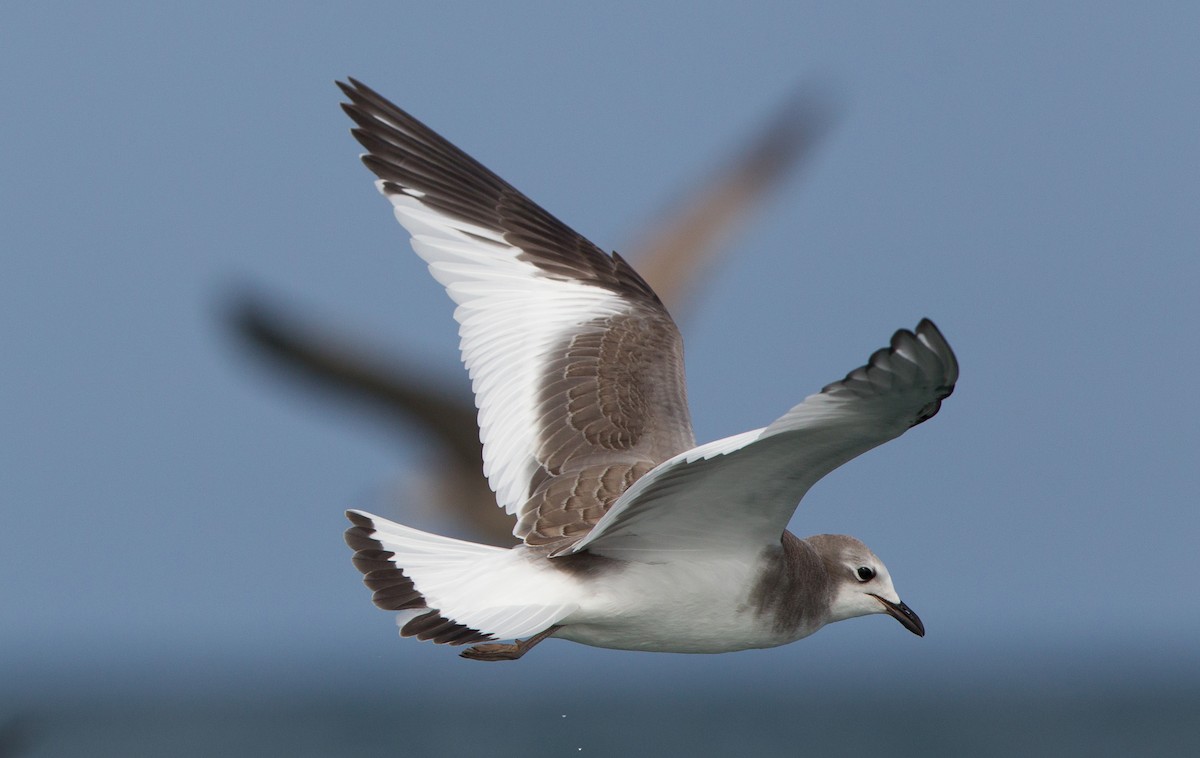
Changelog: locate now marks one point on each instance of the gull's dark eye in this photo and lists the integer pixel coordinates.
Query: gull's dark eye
(865, 573)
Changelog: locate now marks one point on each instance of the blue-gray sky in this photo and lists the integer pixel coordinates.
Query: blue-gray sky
(1026, 174)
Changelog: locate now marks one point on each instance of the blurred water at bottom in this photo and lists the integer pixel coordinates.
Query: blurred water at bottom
(1151, 721)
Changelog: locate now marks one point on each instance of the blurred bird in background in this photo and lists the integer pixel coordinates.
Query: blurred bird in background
(675, 254)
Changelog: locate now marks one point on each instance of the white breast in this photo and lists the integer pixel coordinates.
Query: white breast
(700, 606)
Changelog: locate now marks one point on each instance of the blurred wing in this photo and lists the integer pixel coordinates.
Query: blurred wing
(395, 389)
(335, 362)
(739, 493)
(576, 366)
(678, 250)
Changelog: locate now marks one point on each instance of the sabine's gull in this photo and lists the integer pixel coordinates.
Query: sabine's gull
(633, 537)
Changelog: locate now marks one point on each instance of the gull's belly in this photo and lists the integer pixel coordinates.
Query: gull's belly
(681, 607)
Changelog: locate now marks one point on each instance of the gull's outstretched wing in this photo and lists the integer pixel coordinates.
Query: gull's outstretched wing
(576, 366)
(672, 256)
(738, 493)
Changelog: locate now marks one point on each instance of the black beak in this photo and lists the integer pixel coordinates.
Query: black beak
(904, 615)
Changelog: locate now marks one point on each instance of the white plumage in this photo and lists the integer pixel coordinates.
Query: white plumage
(633, 536)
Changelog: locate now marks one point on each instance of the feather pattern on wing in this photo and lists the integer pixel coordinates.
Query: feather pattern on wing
(740, 492)
(576, 366)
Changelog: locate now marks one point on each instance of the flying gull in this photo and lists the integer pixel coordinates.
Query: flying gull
(632, 536)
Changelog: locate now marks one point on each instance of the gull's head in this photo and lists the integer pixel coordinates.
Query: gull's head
(861, 583)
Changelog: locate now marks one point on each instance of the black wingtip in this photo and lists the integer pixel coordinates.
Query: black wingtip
(922, 356)
(348, 89)
(351, 86)
(928, 332)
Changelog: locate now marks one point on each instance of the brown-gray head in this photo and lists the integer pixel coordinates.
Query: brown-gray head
(861, 583)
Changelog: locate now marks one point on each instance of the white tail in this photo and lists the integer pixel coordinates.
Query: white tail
(447, 590)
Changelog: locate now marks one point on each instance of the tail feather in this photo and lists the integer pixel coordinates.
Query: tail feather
(445, 590)
(393, 590)
(434, 626)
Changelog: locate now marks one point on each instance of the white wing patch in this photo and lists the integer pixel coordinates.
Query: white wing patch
(511, 317)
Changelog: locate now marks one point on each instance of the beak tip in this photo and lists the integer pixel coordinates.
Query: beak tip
(903, 614)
